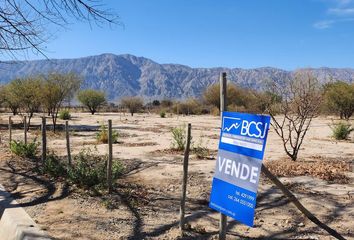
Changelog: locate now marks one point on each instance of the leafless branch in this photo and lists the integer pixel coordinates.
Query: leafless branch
(24, 23)
(300, 102)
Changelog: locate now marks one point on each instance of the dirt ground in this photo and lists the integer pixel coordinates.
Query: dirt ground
(145, 203)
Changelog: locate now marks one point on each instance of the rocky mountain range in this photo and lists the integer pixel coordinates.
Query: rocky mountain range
(128, 75)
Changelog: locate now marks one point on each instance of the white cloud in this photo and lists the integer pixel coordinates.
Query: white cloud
(341, 11)
(323, 24)
(329, 23)
(343, 2)
(338, 3)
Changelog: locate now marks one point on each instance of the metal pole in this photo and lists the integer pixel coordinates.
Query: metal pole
(223, 107)
(110, 156)
(185, 178)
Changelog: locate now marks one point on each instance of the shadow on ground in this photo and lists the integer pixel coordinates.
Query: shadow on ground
(267, 200)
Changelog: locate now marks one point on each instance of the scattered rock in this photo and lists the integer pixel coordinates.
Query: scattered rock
(301, 224)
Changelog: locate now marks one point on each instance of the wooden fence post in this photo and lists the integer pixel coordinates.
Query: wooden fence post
(110, 156)
(67, 142)
(223, 107)
(44, 140)
(185, 178)
(10, 130)
(25, 128)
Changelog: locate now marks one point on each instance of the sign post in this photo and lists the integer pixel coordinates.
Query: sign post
(223, 107)
(238, 166)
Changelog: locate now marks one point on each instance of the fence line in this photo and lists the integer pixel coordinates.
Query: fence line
(223, 220)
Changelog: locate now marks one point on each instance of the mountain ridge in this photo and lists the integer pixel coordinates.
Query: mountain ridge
(126, 75)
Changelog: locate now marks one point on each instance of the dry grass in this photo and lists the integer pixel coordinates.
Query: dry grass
(332, 171)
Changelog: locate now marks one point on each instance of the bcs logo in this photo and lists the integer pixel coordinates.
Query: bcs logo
(238, 126)
(253, 129)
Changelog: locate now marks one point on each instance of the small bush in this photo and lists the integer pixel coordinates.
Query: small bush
(54, 167)
(89, 169)
(24, 150)
(64, 114)
(163, 114)
(341, 130)
(110, 203)
(179, 138)
(117, 169)
(102, 135)
(201, 150)
(215, 111)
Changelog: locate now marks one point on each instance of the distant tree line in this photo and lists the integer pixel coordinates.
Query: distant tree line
(44, 93)
(48, 93)
(337, 98)
(291, 103)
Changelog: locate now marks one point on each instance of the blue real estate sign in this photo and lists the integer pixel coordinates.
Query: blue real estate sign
(238, 166)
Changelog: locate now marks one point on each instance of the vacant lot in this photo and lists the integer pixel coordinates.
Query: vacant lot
(145, 203)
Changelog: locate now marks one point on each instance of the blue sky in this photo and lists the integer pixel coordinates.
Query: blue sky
(286, 34)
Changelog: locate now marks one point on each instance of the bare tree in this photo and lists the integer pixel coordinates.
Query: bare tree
(299, 104)
(133, 104)
(56, 89)
(23, 23)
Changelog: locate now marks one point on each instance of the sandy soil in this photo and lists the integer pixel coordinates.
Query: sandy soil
(145, 204)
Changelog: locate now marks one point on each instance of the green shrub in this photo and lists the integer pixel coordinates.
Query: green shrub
(64, 114)
(201, 149)
(341, 130)
(117, 169)
(24, 150)
(110, 203)
(178, 138)
(54, 167)
(89, 169)
(201, 152)
(102, 135)
(163, 114)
